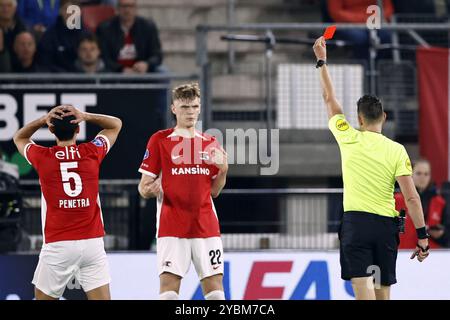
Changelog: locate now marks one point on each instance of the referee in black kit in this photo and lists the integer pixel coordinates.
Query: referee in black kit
(371, 163)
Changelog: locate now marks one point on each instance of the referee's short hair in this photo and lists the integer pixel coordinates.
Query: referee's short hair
(370, 108)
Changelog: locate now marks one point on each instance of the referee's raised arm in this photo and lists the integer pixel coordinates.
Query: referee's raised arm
(371, 162)
(333, 106)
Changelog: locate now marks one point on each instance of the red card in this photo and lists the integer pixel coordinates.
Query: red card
(329, 32)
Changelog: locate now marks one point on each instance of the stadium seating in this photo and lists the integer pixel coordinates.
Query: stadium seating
(94, 15)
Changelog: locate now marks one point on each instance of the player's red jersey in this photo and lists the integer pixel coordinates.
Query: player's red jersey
(185, 209)
(69, 183)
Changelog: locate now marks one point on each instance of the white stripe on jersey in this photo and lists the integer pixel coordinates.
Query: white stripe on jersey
(43, 216)
(148, 173)
(100, 207)
(25, 151)
(214, 208)
(159, 204)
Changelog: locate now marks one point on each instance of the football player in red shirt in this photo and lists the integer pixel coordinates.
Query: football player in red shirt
(185, 169)
(72, 222)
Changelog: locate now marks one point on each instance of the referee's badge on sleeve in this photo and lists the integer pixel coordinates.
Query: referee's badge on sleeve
(408, 165)
(342, 125)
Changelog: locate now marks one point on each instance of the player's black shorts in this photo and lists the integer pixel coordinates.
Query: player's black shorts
(368, 240)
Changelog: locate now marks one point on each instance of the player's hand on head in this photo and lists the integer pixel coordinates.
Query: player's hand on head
(70, 110)
(55, 113)
(320, 49)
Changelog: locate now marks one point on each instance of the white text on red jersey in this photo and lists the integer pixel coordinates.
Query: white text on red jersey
(69, 153)
(190, 170)
(74, 203)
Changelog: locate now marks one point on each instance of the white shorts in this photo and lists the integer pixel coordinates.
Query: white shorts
(61, 262)
(174, 255)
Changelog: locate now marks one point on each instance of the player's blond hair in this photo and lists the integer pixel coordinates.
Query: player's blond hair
(187, 92)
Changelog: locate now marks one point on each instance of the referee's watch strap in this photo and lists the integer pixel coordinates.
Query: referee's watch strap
(422, 233)
(320, 63)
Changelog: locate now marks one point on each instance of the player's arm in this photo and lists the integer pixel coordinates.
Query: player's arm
(220, 161)
(23, 135)
(149, 187)
(111, 125)
(150, 184)
(415, 211)
(333, 106)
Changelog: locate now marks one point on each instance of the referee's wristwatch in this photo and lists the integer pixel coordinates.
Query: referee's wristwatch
(320, 63)
(422, 233)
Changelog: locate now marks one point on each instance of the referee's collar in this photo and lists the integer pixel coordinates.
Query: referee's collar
(372, 131)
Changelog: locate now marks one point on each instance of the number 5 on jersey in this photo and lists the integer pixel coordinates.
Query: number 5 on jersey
(66, 176)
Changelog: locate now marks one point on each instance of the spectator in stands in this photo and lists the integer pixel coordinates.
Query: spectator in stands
(355, 11)
(433, 207)
(129, 43)
(10, 26)
(5, 61)
(38, 15)
(89, 60)
(25, 54)
(58, 47)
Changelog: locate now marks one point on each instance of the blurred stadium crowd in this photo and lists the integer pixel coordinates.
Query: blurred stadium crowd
(34, 37)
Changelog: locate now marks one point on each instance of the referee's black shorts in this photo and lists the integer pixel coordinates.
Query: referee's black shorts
(368, 240)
